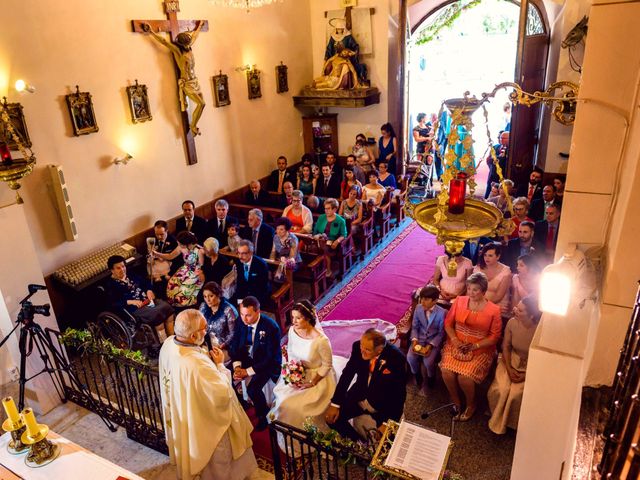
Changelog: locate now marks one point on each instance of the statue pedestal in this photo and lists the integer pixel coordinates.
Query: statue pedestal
(354, 98)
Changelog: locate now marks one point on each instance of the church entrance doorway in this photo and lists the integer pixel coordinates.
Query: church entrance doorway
(472, 45)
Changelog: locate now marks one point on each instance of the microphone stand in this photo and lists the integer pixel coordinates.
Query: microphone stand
(442, 407)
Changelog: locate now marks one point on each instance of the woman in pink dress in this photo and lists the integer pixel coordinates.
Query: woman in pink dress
(526, 281)
(473, 326)
(451, 287)
(498, 274)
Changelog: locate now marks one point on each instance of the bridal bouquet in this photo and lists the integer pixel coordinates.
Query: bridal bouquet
(293, 372)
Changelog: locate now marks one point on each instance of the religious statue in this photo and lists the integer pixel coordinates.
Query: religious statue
(339, 72)
(342, 36)
(188, 84)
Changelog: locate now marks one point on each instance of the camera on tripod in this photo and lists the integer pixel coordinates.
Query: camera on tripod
(28, 309)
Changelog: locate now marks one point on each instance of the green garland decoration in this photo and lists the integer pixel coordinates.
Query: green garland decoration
(445, 19)
(86, 342)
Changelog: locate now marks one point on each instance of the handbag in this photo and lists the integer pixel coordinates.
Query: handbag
(229, 283)
(462, 356)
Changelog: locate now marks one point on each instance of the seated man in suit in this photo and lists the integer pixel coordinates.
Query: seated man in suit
(331, 162)
(546, 232)
(134, 295)
(255, 195)
(191, 222)
(328, 185)
(161, 269)
(279, 176)
(427, 335)
(260, 234)
(379, 391)
(252, 274)
(217, 226)
(523, 245)
(286, 198)
(539, 206)
(255, 354)
(532, 190)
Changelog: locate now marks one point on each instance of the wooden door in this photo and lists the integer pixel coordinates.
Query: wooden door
(530, 74)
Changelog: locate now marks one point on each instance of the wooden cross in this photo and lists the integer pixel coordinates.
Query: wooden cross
(174, 26)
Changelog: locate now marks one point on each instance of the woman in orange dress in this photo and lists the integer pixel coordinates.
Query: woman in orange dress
(473, 327)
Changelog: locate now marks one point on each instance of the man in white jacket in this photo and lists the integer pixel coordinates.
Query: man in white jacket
(206, 428)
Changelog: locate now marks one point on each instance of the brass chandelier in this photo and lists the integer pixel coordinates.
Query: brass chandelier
(13, 169)
(453, 216)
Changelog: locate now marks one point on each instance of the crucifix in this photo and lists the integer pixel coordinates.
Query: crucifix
(183, 34)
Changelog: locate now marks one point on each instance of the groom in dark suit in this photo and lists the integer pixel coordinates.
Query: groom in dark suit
(379, 391)
(255, 354)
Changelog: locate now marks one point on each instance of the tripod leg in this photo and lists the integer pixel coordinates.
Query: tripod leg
(22, 346)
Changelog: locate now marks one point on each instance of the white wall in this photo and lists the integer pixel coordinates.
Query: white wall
(20, 267)
(55, 45)
(367, 120)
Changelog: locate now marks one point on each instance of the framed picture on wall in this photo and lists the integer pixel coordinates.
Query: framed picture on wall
(282, 80)
(221, 90)
(253, 84)
(139, 103)
(16, 117)
(83, 118)
(348, 3)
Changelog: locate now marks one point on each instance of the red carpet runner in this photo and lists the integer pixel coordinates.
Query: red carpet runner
(382, 288)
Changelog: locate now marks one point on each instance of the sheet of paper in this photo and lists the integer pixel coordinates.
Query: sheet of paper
(418, 451)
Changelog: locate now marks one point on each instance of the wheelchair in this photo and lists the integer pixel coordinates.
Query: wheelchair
(121, 328)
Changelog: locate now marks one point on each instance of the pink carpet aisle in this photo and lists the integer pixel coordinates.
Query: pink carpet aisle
(383, 287)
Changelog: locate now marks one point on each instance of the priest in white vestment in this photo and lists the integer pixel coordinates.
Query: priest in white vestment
(206, 428)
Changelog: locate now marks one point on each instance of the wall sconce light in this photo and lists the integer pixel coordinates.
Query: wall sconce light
(246, 68)
(122, 160)
(21, 86)
(564, 281)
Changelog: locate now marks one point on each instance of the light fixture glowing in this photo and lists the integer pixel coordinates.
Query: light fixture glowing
(563, 282)
(247, 4)
(123, 160)
(555, 291)
(21, 86)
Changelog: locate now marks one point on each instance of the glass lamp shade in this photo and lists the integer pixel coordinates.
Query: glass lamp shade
(5, 154)
(457, 193)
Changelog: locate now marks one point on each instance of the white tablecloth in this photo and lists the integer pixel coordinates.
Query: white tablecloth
(73, 463)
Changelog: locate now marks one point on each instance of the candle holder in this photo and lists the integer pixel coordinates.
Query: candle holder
(41, 451)
(14, 424)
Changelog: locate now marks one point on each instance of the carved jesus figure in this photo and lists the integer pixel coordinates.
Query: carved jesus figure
(188, 84)
(339, 73)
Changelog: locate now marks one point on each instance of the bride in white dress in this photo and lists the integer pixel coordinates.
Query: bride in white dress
(307, 343)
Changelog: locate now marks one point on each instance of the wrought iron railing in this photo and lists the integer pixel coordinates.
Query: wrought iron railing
(621, 455)
(297, 456)
(123, 391)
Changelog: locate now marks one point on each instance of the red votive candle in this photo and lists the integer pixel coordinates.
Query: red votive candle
(457, 193)
(5, 155)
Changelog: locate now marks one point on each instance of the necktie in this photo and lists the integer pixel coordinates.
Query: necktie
(255, 238)
(221, 225)
(530, 194)
(280, 179)
(326, 182)
(246, 272)
(249, 335)
(550, 237)
(189, 222)
(372, 365)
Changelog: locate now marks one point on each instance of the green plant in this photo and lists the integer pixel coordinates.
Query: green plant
(444, 19)
(86, 342)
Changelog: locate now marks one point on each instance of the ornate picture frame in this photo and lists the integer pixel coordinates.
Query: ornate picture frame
(253, 84)
(221, 90)
(83, 117)
(16, 116)
(139, 103)
(282, 78)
